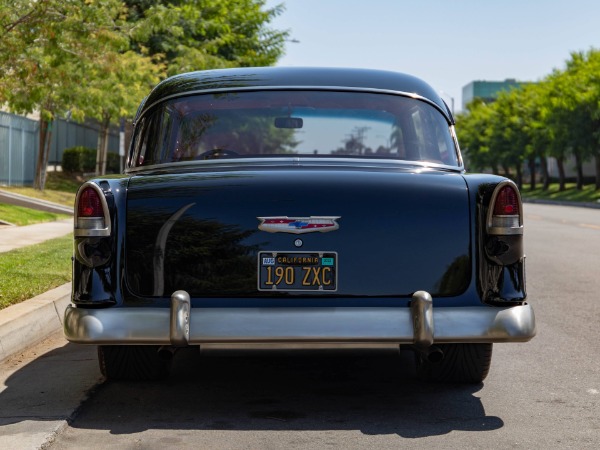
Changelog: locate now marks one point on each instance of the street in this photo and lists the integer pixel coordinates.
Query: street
(541, 394)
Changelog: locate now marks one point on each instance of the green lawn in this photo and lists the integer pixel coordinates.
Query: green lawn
(60, 188)
(570, 194)
(18, 215)
(33, 270)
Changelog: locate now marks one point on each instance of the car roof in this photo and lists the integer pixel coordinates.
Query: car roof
(292, 77)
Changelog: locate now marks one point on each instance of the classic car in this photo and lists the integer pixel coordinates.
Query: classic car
(297, 208)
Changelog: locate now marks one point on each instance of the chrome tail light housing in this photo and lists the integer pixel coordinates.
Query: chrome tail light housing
(505, 213)
(91, 212)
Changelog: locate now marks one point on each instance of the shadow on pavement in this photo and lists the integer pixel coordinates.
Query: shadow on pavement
(48, 387)
(375, 393)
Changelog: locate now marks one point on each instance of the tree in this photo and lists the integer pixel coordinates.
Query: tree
(48, 47)
(206, 34)
(99, 57)
(558, 117)
(473, 129)
(583, 75)
(534, 98)
(115, 85)
(507, 135)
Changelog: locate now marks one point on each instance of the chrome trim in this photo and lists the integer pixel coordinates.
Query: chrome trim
(504, 231)
(421, 308)
(180, 319)
(303, 326)
(461, 162)
(275, 229)
(91, 232)
(316, 346)
(297, 88)
(298, 160)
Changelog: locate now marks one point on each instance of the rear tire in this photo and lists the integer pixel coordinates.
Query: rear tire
(462, 363)
(132, 362)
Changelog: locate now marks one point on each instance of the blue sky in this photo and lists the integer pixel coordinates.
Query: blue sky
(447, 43)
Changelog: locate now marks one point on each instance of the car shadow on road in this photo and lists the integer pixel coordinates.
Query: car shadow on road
(373, 392)
(46, 386)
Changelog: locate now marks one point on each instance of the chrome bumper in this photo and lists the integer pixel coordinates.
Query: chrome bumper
(180, 325)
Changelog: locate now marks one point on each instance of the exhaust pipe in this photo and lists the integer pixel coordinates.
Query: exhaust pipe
(167, 352)
(432, 354)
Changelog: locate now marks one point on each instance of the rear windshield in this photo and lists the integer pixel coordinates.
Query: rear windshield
(253, 124)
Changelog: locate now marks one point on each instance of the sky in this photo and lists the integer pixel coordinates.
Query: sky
(448, 43)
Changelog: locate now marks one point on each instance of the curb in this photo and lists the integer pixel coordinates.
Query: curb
(34, 203)
(562, 203)
(27, 323)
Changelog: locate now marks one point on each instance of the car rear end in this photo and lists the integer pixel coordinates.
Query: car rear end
(298, 218)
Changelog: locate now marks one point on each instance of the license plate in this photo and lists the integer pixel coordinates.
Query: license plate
(297, 271)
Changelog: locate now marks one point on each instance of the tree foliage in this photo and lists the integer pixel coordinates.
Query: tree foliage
(206, 34)
(98, 58)
(558, 117)
(48, 50)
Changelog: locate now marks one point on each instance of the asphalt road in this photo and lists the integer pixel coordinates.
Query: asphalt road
(541, 394)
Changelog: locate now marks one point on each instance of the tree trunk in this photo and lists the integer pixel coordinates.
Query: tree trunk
(102, 146)
(597, 158)
(579, 167)
(531, 163)
(105, 129)
(99, 145)
(47, 154)
(545, 174)
(560, 164)
(519, 175)
(39, 181)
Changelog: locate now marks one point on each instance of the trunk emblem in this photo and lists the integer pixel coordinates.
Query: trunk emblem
(298, 225)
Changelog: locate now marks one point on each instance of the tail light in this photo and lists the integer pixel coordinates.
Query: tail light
(505, 216)
(91, 212)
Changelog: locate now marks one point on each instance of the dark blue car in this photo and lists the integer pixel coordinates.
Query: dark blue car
(296, 207)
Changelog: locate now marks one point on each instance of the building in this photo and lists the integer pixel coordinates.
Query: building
(487, 90)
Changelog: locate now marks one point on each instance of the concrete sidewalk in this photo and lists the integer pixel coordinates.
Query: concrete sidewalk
(31, 321)
(17, 237)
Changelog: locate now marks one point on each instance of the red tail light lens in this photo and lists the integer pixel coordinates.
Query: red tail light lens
(507, 202)
(90, 204)
(505, 211)
(92, 218)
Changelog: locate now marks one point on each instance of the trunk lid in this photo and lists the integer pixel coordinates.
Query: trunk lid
(400, 231)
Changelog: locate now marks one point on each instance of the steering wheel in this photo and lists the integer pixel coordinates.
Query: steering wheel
(217, 153)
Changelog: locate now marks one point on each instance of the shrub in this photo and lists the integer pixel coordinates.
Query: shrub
(83, 160)
(79, 159)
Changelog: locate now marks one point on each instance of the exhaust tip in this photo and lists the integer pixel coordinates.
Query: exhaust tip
(166, 352)
(435, 355)
(432, 354)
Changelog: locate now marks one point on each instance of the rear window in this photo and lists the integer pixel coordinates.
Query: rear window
(253, 124)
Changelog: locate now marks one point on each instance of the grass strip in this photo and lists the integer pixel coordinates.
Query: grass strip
(33, 270)
(19, 215)
(571, 194)
(60, 188)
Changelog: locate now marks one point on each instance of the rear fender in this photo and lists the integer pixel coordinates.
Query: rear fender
(500, 259)
(97, 258)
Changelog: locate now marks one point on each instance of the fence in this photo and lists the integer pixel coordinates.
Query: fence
(19, 143)
(18, 149)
